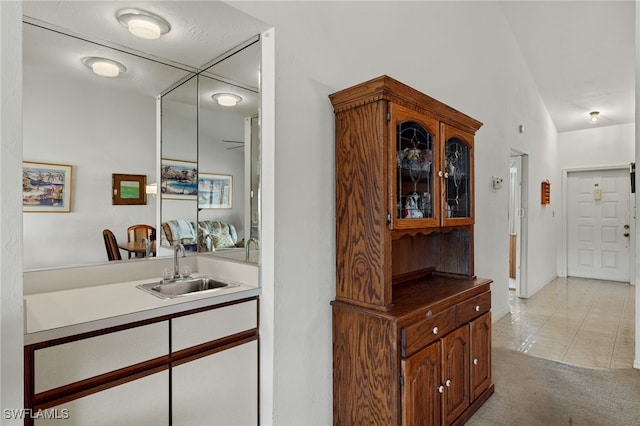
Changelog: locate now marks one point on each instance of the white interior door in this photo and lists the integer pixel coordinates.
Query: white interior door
(598, 220)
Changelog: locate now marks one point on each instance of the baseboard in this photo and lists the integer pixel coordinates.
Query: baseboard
(636, 364)
(496, 315)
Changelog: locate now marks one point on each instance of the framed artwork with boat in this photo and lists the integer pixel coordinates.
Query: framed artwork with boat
(46, 187)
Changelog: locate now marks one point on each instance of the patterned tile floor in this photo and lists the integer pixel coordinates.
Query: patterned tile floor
(579, 321)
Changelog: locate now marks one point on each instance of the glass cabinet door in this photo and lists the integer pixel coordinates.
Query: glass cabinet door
(458, 176)
(416, 153)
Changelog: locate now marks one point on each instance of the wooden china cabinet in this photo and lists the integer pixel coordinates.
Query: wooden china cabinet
(411, 321)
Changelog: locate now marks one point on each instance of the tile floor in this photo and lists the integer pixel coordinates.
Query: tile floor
(579, 321)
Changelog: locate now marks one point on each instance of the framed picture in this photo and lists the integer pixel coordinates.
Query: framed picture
(178, 179)
(215, 191)
(46, 187)
(129, 189)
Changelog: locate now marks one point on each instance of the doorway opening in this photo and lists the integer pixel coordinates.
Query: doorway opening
(518, 223)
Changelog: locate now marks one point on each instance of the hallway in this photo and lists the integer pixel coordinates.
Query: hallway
(574, 320)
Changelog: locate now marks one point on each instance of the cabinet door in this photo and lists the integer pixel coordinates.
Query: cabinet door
(457, 177)
(480, 355)
(218, 389)
(140, 402)
(60, 365)
(421, 395)
(414, 158)
(202, 327)
(455, 373)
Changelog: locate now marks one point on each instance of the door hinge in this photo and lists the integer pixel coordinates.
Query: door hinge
(388, 218)
(388, 116)
(401, 380)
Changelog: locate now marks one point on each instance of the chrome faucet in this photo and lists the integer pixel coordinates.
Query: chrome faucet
(176, 266)
(247, 247)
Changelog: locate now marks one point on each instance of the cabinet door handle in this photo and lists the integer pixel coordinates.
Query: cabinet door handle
(435, 330)
(475, 361)
(477, 308)
(448, 383)
(441, 389)
(446, 174)
(440, 174)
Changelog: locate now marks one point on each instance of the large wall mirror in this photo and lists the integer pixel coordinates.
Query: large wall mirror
(102, 126)
(215, 210)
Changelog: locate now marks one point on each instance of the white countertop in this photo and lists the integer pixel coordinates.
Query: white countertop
(55, 314)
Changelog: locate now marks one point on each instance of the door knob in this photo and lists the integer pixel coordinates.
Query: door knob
(626, 227)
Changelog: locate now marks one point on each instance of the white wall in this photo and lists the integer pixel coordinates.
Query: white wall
(98, 131)
(11, 327)
(597, 147)
(460, 53)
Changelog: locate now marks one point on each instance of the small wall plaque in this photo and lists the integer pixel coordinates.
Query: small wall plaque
(545, 192)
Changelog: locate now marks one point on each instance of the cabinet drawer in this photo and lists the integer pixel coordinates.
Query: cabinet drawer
(207, 326)
(74, 361)
(474, 307)
(420, 334)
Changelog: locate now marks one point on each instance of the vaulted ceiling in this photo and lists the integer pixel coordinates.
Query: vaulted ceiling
(580, 53)
(581, 56)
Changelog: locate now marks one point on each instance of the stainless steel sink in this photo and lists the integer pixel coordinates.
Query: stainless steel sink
(185, 286)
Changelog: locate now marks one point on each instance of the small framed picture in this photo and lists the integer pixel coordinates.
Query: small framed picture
(215, 191)
(129, 189)
(46, 187)
(179, 179)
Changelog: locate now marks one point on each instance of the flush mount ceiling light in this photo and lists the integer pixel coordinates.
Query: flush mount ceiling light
(104, 67)
(143, 24)
(594, 116)
(226, 99)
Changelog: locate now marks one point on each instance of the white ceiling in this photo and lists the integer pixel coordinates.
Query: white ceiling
(580, 53)
(200, 32)
(581, 56)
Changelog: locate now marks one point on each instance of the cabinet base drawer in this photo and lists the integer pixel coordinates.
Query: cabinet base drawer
(420, 334)
(474, 307)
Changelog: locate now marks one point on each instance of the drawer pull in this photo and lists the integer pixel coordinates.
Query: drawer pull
(448, 383)
(475, 361)
(477, 308)
(435, 330)
(441, 389)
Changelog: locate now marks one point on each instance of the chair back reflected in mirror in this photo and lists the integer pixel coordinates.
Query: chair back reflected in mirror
(110, 243)
(138, 232)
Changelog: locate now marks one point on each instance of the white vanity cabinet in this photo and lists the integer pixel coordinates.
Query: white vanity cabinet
(78, 360)
(220, 389)
(218, 385)
(194, 367)
(142, 402)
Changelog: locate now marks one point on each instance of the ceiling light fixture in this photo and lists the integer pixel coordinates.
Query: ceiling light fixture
(227, 99)
(594, 116)
(143, 24)
(104, 67)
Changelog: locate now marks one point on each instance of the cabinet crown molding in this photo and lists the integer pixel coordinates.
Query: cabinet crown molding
(389, 89)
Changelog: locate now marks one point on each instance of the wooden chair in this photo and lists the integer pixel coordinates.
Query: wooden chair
(110, 243)
(138, 232)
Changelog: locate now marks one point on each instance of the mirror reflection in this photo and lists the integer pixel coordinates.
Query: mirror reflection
(223, 214)
(68, 119)
(100, 127)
